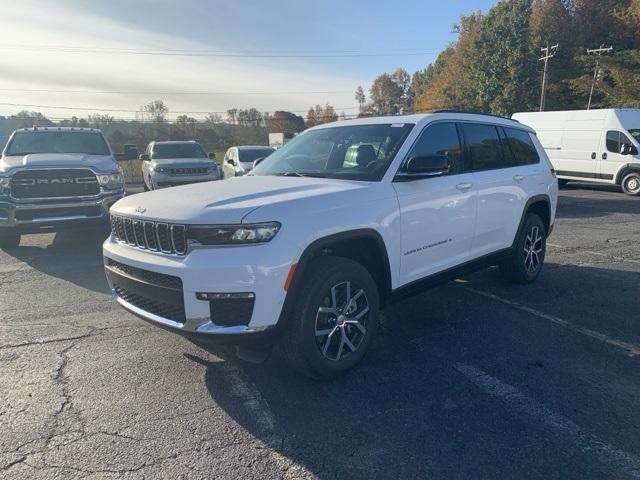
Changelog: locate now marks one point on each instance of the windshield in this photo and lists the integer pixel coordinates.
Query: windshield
(177, 150)
(635, 133)
(358, 152)
(252, 154)
(24, 143)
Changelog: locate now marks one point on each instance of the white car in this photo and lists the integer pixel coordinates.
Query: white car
(591, 145)
(306, 250)
(239, 160)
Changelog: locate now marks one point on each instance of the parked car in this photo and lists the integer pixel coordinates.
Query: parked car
(306, 249)
(591, 145)
(53, 178)
(167, 164)
(239, 160)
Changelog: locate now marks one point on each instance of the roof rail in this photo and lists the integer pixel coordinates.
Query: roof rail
(475, 113)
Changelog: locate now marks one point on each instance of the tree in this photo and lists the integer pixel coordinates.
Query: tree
(501, 64)
(312, 120)
(328, 114)
(361, 98)
(99, 119)
(232, 116)
(155, 111)
(213, 119)
(386, 95)
(282, 121)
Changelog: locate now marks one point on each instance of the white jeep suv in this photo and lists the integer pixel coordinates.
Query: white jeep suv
(348, 216)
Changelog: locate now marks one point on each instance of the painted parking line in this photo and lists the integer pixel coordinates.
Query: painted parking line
(629, 348)
(622, 462)
(599, 254)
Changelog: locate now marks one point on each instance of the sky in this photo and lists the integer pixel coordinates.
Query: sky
(199, 56)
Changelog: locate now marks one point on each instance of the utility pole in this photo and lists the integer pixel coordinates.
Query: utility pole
(596, 51)
(547, 53)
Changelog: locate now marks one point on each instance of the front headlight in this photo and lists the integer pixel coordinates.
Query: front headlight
(111, 181)
(233, 234)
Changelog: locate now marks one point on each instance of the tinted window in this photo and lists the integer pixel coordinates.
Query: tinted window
(250, 155)
(484, 150)
(24, 143)
(178, 150)
(439, 140)
(615, 140)
(353, 152)
(522, 148)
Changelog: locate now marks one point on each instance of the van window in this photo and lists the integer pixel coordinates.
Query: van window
(522, 147)
(484, 150)
(440, 139)
(615, 140)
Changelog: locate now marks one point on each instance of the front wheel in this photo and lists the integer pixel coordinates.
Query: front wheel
(631, 184)
(333, 320)
(525, 264)
(9, 239)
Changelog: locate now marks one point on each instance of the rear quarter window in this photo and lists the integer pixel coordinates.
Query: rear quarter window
(522, 147)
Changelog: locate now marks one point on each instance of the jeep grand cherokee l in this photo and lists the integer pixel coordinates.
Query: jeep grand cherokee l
(53, 178)
(306, 250)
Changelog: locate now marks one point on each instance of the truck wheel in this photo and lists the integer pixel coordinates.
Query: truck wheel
(9, 239)
(631, 183)
(333, 320)
(525, 264)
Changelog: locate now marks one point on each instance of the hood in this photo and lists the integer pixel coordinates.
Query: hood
(182, 162)
(226, 201)
(103, 163)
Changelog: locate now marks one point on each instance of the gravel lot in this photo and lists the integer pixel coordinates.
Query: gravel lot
(475, 379)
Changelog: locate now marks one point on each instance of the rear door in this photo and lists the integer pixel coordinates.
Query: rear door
(438, 214)
(500, 184)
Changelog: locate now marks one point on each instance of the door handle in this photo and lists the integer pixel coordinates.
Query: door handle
(604, 156)
(463, 187)
(593, 156)
(518, 178)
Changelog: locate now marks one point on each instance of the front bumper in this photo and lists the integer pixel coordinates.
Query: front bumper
(260, 270)
(28, 217)
(164, 180)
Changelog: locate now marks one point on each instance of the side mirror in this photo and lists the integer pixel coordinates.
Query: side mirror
(144, 157)
(212, 155)
(627, 149)
(257, 161)
(428, 165)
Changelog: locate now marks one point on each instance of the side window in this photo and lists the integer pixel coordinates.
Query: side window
(522, 147)
(437, 140)
(484, 150)
(613, 141)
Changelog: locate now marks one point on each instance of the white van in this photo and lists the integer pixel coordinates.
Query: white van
(591, 145)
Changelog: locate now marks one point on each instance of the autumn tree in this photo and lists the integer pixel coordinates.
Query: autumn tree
(283, 121)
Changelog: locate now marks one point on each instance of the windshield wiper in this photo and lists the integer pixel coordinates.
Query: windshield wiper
(289, 174)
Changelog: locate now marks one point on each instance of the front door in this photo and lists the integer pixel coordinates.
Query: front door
(438, 214)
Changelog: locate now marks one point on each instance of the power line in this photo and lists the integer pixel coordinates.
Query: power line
(598, 52)
(219, 53)
(547, 54)
(140, 92)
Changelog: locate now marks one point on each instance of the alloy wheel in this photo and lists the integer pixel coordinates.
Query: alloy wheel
(532, 249)
(341, 322)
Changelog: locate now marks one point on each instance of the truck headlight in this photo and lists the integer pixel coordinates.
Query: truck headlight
(111, 181)
(233, 234)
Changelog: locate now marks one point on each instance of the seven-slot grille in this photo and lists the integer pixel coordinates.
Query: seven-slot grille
(188, 171)
(54, 183)
(154, 236)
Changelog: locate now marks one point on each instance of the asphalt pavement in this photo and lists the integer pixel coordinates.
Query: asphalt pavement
(474, 379)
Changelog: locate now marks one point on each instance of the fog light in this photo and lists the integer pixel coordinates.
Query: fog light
(225, 296)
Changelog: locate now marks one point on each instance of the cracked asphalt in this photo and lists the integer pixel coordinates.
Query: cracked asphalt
(475, 379)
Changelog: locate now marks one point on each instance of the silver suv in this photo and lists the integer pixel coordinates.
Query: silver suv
(166, 164)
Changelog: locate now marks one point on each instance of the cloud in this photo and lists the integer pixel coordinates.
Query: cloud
(51, 24)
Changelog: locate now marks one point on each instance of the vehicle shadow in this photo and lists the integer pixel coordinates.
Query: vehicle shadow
(573, 206)
(405, 412)
(73, 255)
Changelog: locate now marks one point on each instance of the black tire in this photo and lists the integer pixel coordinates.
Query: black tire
(9, 239)
(562, 182)
(526, 263)
(301, 346)
(631, 183)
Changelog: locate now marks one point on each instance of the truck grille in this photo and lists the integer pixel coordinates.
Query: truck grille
(188, 171)
(154, 236)
(54, 183)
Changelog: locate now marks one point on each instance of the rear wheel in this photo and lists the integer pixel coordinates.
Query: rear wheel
(631, 183)
(525, 264)
(333, 320)
(9, 239)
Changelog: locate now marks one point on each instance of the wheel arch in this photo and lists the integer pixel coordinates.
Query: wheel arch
(540, 205)
(625, 169)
